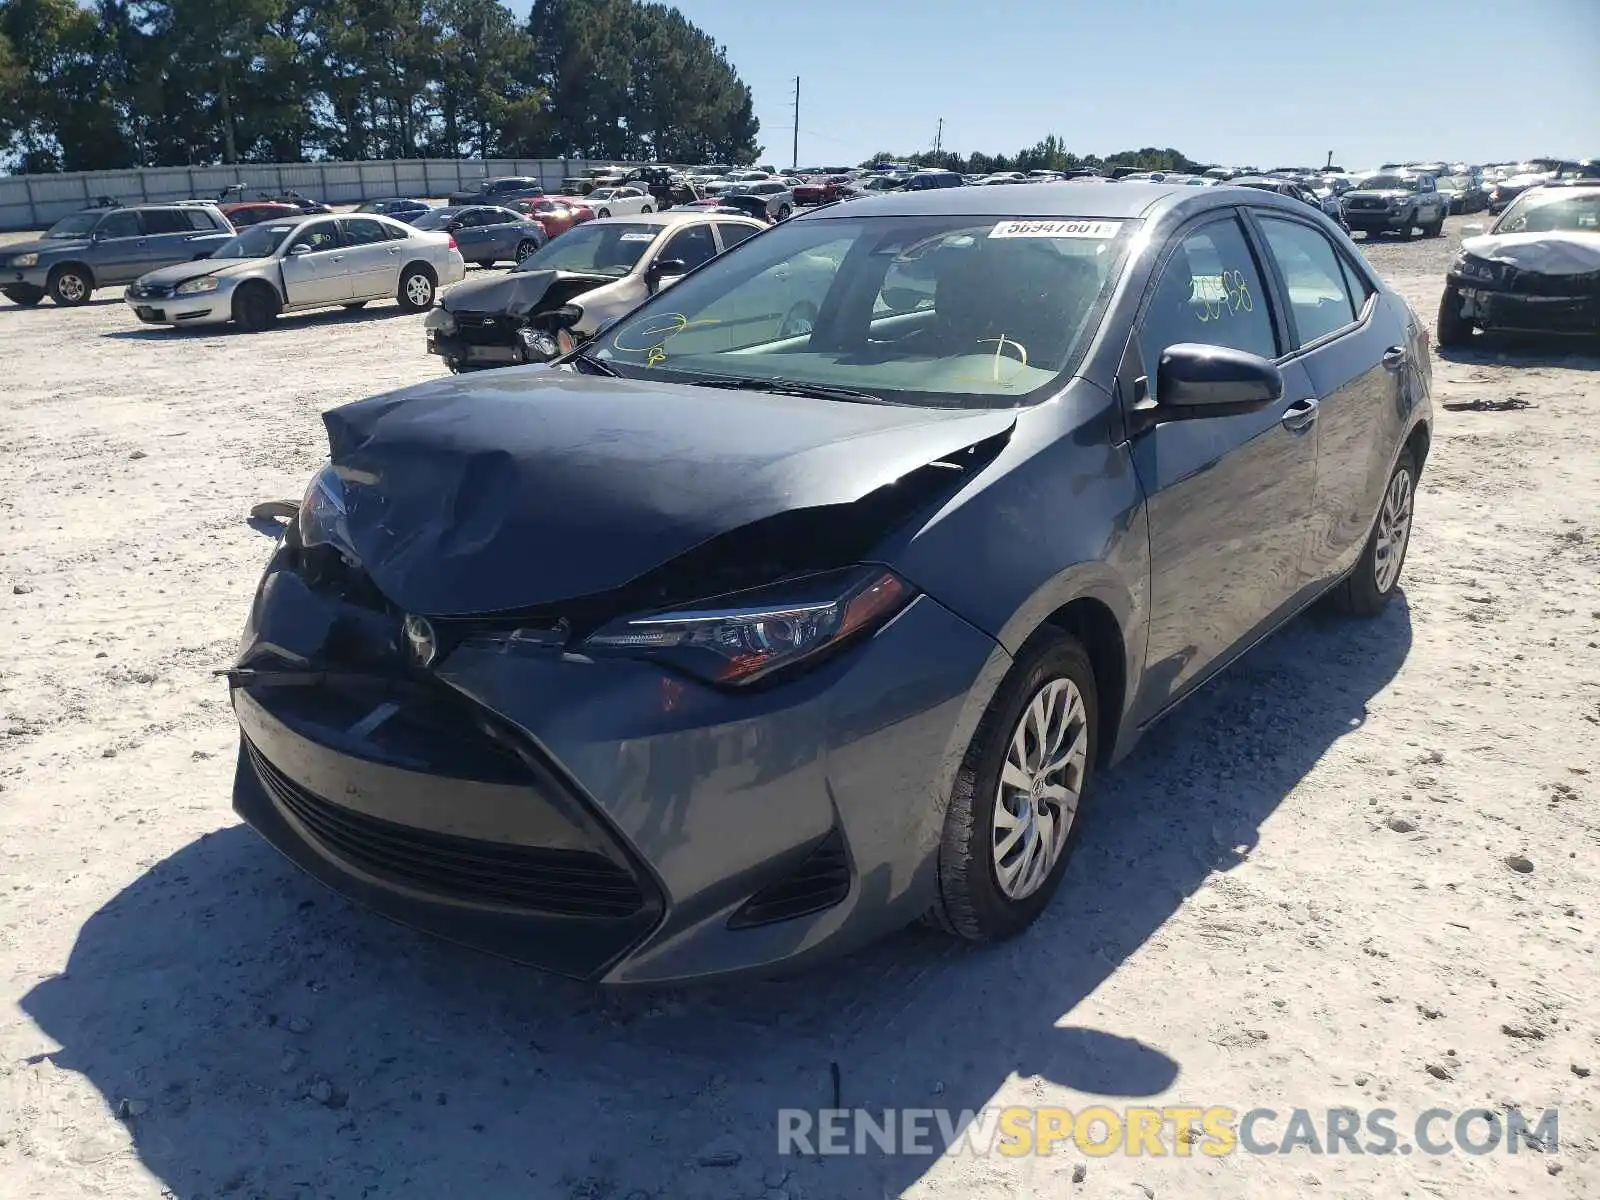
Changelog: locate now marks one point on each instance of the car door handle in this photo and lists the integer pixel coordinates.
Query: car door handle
(1300, 416)
(1395, 357)
(337, 258)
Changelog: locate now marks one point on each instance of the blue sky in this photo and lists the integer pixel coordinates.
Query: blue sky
(1232, 81)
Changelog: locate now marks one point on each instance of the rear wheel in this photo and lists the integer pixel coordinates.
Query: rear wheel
(646, 209)
(1454, 330)
(70, 285)
(604, 212)
(416, 289)
(1376, 577)
(1013, 814)
(23, 294)
(255, 306)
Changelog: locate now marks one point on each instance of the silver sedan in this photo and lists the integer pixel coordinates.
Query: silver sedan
(298, 263)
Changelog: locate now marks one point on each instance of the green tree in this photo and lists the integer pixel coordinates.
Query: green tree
(63, 115)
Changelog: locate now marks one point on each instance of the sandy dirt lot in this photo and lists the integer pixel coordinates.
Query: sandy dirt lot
(1361, 870)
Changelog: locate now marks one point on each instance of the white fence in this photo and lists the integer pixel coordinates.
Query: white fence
(36, 201)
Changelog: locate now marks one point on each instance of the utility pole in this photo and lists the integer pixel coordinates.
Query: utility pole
(938, 139)
(794, 163)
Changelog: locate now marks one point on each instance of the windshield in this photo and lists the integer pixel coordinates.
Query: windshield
(1389, 183)
(595, 249)
(76, 226)
(258, 241)
(1454, 183)
(949, 311)
(435, 218)
(1550, 211)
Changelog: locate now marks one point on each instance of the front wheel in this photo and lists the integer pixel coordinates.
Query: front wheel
(604, 212)
(1436, 229)
(255, 307)
(526, 247)
(70, 286)
(1453, 330)
(646, 209)
(1376, 577)
(1013, 816)
(416, 290)
(784, 212)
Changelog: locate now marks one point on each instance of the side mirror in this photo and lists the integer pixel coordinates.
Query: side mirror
(202, 254)
(661, 269)
(452, 227)
(297, 250)
(1195, 381)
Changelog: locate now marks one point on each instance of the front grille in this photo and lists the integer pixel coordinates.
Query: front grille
(150, 291)
(485, 329)
(1367, 205)
(575, 883)
(820, 882)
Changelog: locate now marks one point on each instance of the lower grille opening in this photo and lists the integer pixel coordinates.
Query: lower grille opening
(574, 883)
(820, 882)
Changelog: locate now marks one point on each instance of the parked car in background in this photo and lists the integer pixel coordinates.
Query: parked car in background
(398, 207)
(556, 214)
(596, 272)
(776, 196)
(1537, 269)
(1395, 203)
(754, 207)
(820, 189)
(102, 247)
(485, 233)
(1463, 193)
(299, 263)
(1328, 205)
(734, 618)
(620, 201)
(240, 193)
(497, 190)
(253, 212)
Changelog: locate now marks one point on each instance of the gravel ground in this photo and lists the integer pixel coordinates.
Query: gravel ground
(1360, 870)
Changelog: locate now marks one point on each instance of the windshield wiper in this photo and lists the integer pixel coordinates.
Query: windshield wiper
(790, 387)
(594, 364)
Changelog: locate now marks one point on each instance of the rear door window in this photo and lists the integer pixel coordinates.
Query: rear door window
(119, 225)
(732, 234)
(200, 220)
(1319, 298)
(363, 231)
(691, 246)
(165, 220)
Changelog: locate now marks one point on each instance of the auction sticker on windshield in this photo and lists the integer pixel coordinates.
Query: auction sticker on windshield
(1056, 229)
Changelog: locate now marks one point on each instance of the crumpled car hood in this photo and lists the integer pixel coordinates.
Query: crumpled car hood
(523, 487)
(1565, 253)
(516, 293)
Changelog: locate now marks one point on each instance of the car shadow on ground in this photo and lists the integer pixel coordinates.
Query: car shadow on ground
(1526, 350)
(376, 310)
(271, 1038)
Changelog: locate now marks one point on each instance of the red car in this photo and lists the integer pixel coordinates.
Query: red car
(557, 214)
(821, 191)
(255, 211)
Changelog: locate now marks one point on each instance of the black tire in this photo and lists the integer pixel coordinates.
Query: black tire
(1405, 230)
(484, 263)
(784, 212)
(410, 293)
(70, 285)
(1453, 330)
(255, 307)
(526, 247)
(971, 904)
(645, 209)
(354, 306)
(604, 212)
(1361, 594)
(1436, 229)
(23, 294)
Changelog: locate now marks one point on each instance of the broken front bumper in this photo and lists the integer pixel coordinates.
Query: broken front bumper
(609, 819)
(1518, 312)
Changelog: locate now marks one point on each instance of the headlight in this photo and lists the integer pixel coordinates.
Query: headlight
(439, 321)
(1479, 270)
(25, 260)
(740, 638)
(322, 520)
(191, 287)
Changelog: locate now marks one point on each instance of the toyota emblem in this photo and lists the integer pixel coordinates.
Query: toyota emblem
(421, 641)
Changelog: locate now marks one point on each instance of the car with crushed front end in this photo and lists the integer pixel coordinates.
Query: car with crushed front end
(723, 645)
(1395, 202)
(297, 263)
(101, 247)
(1536, 270)
(562, 294)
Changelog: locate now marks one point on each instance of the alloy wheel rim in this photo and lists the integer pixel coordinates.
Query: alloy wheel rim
(419, 290)
(71, 287)
(1041, 782)
(1394, 530)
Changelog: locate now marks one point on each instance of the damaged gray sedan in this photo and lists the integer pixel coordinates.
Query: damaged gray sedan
(734, 640)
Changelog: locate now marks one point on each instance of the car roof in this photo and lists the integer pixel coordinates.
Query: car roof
(1124, 200)
(672, 216)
